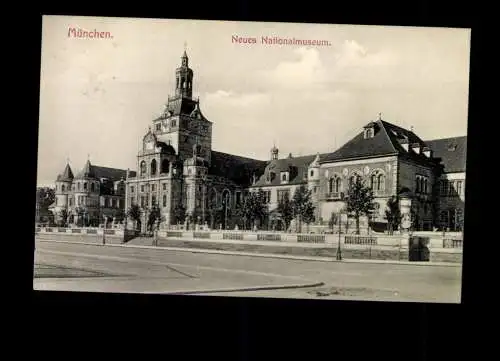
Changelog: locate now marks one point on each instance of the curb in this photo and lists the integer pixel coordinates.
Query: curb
(264, 255)
(245, 289)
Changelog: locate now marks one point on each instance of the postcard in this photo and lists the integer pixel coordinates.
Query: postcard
(252, 159)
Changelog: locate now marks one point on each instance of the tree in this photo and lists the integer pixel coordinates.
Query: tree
(45, 196)
(333, 220)
(302, 206)
(393, 214)
(359, 201)
(286, 210)
(253, 208)
(134, 213)
(154, 217)
(179, 213)
(63, 217)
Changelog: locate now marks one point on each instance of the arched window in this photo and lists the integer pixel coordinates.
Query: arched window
(92, 187)
(417, 186)
(165, 166)
(85, 186)
(373, 181)
(226, 198)
(79, 185)
(331, 185)
(153, 167)
(338, 185)
(425, 185)
(143, 167)
(62, 188)
(422, 184)
(380, 182)
(213, 198)
(353, 179)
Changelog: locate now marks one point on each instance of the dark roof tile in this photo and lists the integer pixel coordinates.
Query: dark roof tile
(452, 151)
(235, 168)
(297, 166)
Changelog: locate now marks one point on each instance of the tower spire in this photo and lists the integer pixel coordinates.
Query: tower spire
(379, 116)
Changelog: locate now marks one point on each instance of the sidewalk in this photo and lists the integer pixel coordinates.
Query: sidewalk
(264, 255)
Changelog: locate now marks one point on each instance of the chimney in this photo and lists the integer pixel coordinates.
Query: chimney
(427, 152)
(416, 148)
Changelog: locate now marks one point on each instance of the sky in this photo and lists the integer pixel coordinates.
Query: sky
(99, 96)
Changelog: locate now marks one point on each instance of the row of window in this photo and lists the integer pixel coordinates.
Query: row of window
(377, 182)
(169, 123)
(91, 202)
(451, 188)
(153, 167)
(452, 219)
(78, 186)
(422, 184)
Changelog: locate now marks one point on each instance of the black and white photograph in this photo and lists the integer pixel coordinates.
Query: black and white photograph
(251, 159)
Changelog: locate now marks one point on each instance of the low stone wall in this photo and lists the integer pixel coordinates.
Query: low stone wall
(352, 246)
(85, 235)
(91, 231)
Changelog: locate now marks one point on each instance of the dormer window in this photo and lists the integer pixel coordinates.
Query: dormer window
(312, 173)
(369, 133)
(283, 177)
(452, 147)
(158, 127)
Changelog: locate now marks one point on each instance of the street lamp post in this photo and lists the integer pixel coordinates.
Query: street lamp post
(339, 250)
(104, 231)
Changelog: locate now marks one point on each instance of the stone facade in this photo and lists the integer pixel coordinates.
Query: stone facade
(177, 167)
(95, 193)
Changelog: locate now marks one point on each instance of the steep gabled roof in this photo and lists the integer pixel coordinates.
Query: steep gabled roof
(87, 171)
(387, 140)
(359, 147)
(112, 174)
(235, 168)
(297, 166)
(67, 174)
(452, 151)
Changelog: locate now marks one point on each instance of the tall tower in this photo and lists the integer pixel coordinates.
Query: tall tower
(184, 78)
(63, 190)
(86, 196)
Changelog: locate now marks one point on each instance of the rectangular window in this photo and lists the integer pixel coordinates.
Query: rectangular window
(164, 186)
(153, 200)
(70, 202)
(147, 200)
(444, 187)
(238, 198)
(153, 187)
(85, 186)
(142, 187)
(143, 201)
(113, 203)
(459, 187)
(132, 189)
(164, 200)
(158, 126)
(282, 194)
(451, 188)
(131, 200)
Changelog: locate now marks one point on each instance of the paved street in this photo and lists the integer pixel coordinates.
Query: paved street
(78, 267)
